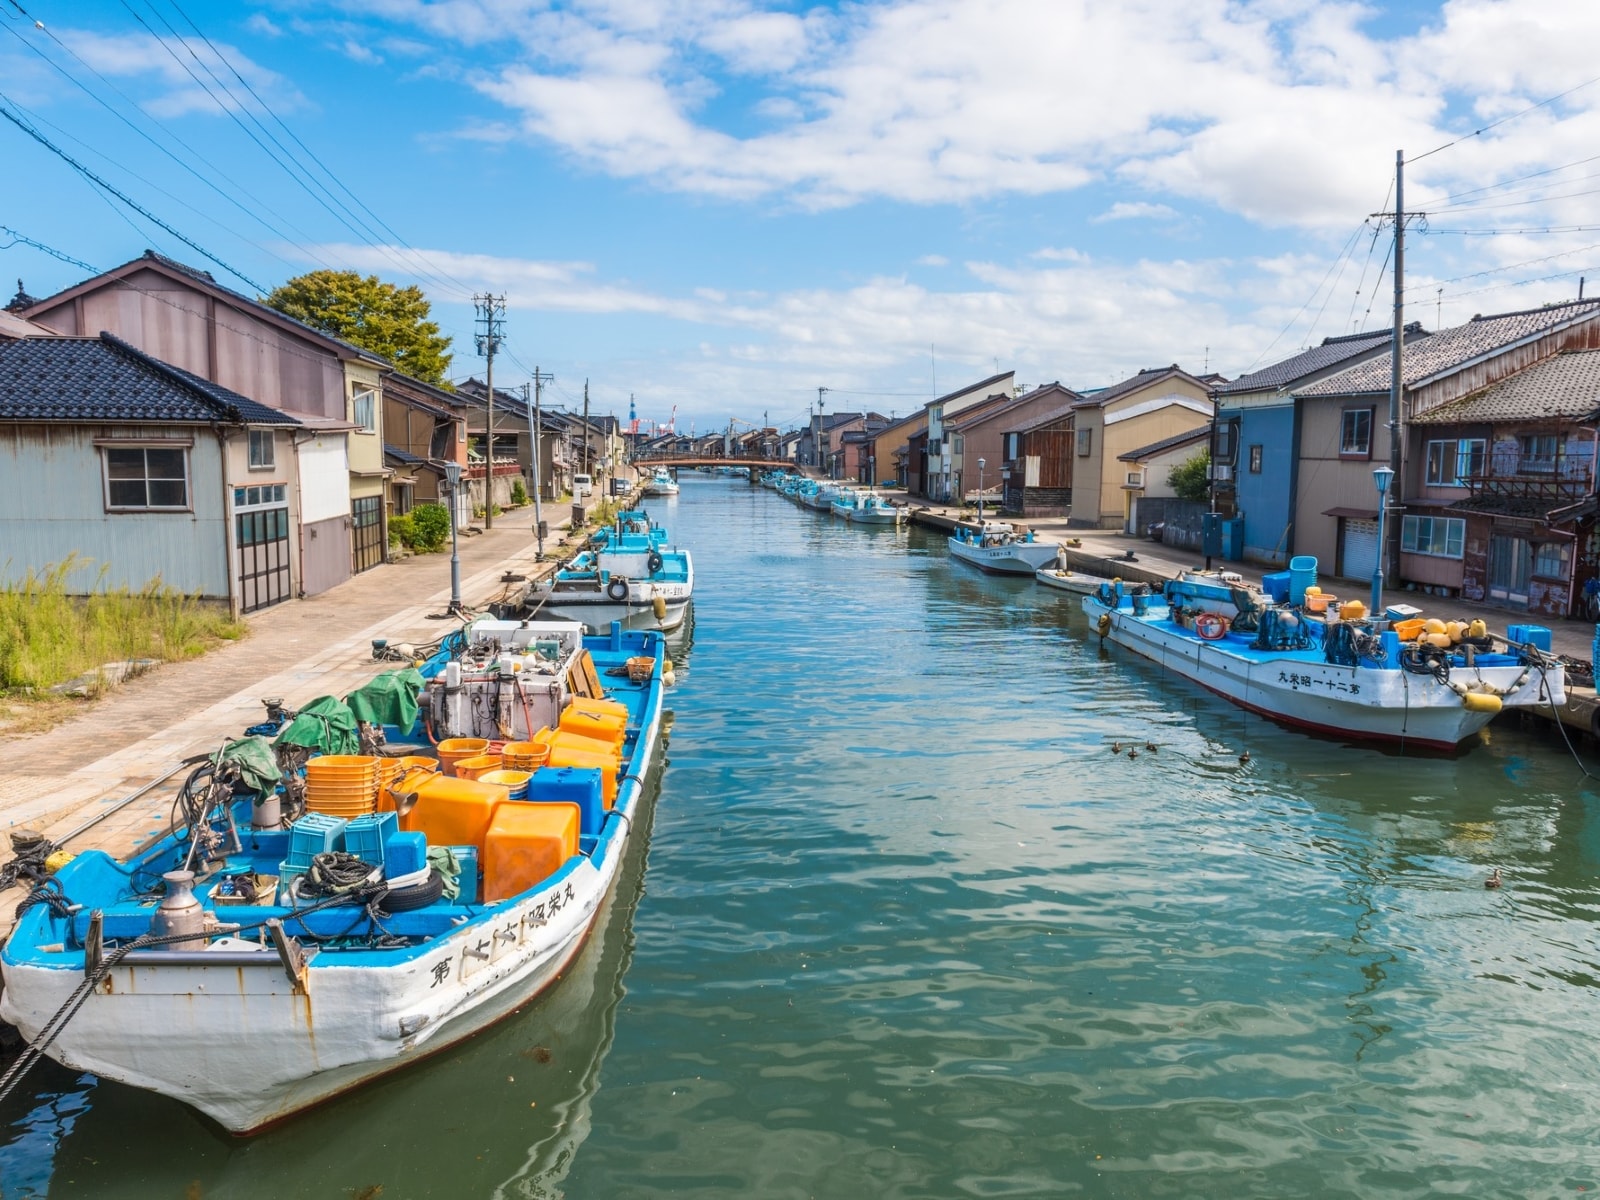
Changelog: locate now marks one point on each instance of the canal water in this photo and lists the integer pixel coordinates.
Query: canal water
(907, 925)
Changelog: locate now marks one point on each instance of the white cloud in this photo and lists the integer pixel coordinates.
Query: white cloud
(933, 260)
(1126, 210)
(169, 62)
(360, 52)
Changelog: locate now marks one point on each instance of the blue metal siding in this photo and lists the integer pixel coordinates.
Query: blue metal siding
(1265, 499)
(53, 505)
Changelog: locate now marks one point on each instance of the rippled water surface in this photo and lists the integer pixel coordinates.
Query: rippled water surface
(908, 927)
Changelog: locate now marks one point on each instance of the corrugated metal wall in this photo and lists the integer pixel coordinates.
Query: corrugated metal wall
(55, 506)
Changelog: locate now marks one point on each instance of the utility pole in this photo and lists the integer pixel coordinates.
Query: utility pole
(491, 324)
(536, 430)
(586, 469)
(1390, 548)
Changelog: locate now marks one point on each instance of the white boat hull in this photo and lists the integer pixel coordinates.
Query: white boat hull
(874, 516)
(1069, 581)
(1012, 558)
(598, 612)
(1353, 702)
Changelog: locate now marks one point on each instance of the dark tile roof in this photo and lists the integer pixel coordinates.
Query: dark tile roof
(1168, 443)
(1133, 383)
(1451, 348)
(1527, 508)
(1329, 354)
(402, 458)
(105, 379)
(833, 420)
(972, 387)
(1566, 387)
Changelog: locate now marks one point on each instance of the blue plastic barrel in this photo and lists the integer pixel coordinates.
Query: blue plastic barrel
(1302, 575)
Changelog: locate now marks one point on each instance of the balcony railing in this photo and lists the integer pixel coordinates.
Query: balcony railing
(1534, 477)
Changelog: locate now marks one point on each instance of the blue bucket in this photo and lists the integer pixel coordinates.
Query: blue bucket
(1302, 575)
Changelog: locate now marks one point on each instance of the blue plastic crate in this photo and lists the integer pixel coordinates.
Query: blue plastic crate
(364, 837)
(1530, 635)
(572, 785)
(405, 853)
(1276, 585)
(314, 834)
(467, 856)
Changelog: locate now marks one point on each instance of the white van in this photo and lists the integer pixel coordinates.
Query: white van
(582, 485)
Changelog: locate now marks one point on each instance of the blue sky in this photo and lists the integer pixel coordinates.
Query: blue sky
(721, 205)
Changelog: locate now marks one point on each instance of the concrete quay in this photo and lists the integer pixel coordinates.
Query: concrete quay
(57, 780)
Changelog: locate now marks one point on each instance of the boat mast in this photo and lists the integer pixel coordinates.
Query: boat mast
(1397, 360)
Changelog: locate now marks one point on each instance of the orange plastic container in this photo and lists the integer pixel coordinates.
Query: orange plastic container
(526, 844)
(1407, 630)
(558, 738)
(452, 750)
(1320, 602)
(603, 727)
(612, 708)
(606, 764)
(471, 768)
(452, 812)
(524, 756)
(1352, 610)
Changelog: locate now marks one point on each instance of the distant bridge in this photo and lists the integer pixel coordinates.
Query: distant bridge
(704, 460)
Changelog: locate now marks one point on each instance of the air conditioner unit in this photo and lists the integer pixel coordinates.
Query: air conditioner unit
(1221, 472)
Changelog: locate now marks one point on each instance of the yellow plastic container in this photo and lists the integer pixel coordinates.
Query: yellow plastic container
(613, 708)
(606, 764)
(453, 812)
(517, 781)
(1352, 610)
(452, 750)
(471, 768)
(1407, 631)
(524, 756)
(556, 738)
(526, 844)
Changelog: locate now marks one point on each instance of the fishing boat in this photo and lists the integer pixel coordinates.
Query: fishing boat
(864, 507)
(1356, 678)
(997, 546)
(820, 496)
(222, 967)
(1065, 580)
(629, 574)
(661, 483)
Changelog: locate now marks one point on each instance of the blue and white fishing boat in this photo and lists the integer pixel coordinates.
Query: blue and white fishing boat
(182, 973)
(660, 483)
(1350, 678)
(997, 546)
(629, 574)
(865, 507)
(820, 496)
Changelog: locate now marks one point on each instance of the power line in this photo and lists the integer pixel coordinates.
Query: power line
(50, 250)
(1445, 201)
(16, 119)
(1496, 124)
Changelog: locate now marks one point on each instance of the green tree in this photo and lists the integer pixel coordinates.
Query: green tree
(1190, 479)
(367, 312)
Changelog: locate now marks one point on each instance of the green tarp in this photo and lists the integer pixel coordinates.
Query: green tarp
(389, 699)
(326, 725)
(257, 764)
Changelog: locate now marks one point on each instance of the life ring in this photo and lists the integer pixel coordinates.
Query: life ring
(617, 589)
(1213, 627)
(653, 562)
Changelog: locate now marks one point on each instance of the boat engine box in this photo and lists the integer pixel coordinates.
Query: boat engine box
(572, 785)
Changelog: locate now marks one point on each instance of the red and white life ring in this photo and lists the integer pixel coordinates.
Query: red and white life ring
(1211, 626)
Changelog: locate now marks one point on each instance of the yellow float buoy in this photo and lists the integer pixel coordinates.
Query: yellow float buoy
(1481, 702)
(1104, 624)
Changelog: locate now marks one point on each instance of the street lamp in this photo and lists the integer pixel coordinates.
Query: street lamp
(981, 465)
(452, 480)
(1380, 476)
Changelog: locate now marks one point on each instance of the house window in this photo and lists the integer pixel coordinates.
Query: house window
(262, 450)
(1355, 433)
(1011, 446)
(364, 409)
(957, 443)
(1551, 560)
(1453, 461)
(1085, 442)
(1441, 537)
(1255, 460)
(1538, 453)
(1224, 435)
(146, 477)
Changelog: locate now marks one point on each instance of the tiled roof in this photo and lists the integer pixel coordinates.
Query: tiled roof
(1451, 348)
(105, 379)
(1055, 414)
(403, 458)
(1529, 508)
(1133, 383)
(1169, 443)
(1330, 353)
(1566, 387)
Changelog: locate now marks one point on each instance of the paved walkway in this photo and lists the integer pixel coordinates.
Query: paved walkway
(56, 780)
